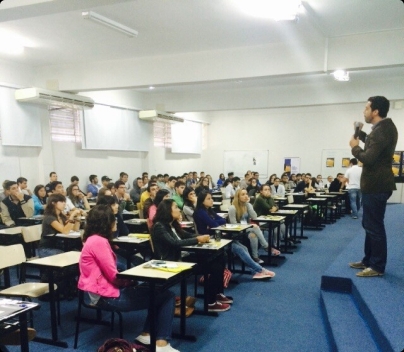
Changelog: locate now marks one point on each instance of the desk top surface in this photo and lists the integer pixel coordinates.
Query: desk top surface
(11, 307)
(271, 218)
(127, 239)
(11, 231)
(58, 261)
(232, 227)
(297, 206)
(285, 211)
(145, 271)
(212, 245)
(135, 221)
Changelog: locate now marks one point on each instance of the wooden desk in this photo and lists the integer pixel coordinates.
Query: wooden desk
(301, 208)
(321, 209)
(291, 225)
(136, 225)
(11, 231)
(205, 253)
(131, 246)
(158, 279)
(22, 308)
(49, 264)
(33, 220)
(133, 214)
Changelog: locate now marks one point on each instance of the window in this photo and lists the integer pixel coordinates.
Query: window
(64, 124)
(162, 134)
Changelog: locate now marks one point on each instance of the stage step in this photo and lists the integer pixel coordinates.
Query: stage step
(347, 330)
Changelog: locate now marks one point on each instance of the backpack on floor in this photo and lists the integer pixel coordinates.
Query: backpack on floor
(120, 345)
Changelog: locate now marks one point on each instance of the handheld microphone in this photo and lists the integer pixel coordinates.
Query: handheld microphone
(357, 129)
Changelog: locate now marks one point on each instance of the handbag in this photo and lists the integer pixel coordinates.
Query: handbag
(120, 345)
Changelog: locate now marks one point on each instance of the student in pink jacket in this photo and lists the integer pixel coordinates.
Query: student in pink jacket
(98, 278)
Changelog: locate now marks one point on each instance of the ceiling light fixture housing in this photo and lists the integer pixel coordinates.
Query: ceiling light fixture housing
(93, 16)
(341, 75)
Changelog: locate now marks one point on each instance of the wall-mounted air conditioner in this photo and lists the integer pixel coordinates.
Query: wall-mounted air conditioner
(159, 116)
(53, 98)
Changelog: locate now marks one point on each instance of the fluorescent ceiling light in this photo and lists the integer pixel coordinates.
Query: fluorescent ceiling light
(12, 44)
(279, 10)
(90, 15)
(341, 75)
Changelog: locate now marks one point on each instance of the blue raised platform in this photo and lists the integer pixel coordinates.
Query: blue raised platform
(366, 314)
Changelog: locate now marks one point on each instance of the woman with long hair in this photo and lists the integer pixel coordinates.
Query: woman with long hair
(160, 196)
(189, 203)
(271, 180)
(39, 198)
(78, 199)
(168, 237)
(242, 211)
(202, 186)
(253, 188)
(54, 222)
(220, 181)
(210, 182)
(206, 219)
(98, 277)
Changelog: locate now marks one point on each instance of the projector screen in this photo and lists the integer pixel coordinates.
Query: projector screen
(186, 137)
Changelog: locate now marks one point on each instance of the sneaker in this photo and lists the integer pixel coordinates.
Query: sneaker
(223, 299)
(258, 260)
(268, 272)
(369, 272)
(357, 265)
(145, 340)
(218, 307)
(166, 348)
(261, 275)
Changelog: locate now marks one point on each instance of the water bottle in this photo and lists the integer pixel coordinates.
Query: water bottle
(218, 235)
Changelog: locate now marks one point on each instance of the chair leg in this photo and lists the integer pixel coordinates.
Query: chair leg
(76, 336)
(58, 305)
(120, 325)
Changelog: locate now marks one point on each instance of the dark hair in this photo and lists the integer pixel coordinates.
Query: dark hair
(150, 185)
(122, 174)
(71, 196)
(110, 185)
(153, 178)
(101, 192)
(119, 183)
(235, 179)
(264, 185)
(226, 182)
(159, 175)
(53, 172)
(163, 215)
(338, 174)
(308, 174)
(160, 196)
(54, 184)
(106, 200)
(100, 220)
(220, 176)
(50, 207)
(145, 173)
(382, 104)
(354, 161)
(171, 178)
(299, 174)
(185, 195)
(277, 178)
(166, 175)
(92, 177)
(179, 183)
(36, 190)
(74, 178)
(21, 180)
(199, 204)
(8, 184)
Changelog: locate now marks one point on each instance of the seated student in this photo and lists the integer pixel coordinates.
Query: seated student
(104, 192)
(271, 180)
(278, 189)
(202, 186)
(305, 185)
(136, 191)
(52, 177)
(93, 187)
(78, 199)
(5, 193)
(16, 205)
(189, 203)
(220, 181)
(39, 199)
(241, 211)
(122, 197)
(123, 176)
(150, 211)
(55, 221)
(211, 185)
(23, 186)
(74, 181)
(328, 182)
(320, 182)
(292, 181)
(206, 219)
(253, 188)
(146, 194)
(160, 181)
(145, 180)
(177, 196)
(231, 188)
(151, 191)
(336, 185)
(170, 185)
(285, 182)
(168, 237)
(98, 277)
(256, 175)
(121, 230)
(56, 187)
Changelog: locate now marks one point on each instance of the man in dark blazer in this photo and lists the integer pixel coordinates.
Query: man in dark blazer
(377, 182)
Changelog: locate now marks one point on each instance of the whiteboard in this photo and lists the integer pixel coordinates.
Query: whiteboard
(239, 161)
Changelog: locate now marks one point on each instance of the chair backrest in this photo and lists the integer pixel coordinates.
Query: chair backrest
(31, 233)
(11, 255)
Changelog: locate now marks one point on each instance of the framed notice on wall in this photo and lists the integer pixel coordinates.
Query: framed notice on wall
(291, 165)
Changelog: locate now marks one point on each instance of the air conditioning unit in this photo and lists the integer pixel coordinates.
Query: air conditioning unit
(53, 98)
(159, 116)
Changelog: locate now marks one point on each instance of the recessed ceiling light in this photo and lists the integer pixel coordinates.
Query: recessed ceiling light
(279, 10)
(341, 75)
(151, 87)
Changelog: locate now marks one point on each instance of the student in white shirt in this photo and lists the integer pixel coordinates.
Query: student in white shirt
(278, 189)
(231, 188)
(352, 180)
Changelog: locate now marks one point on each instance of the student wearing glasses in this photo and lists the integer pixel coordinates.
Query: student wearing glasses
(78, 199)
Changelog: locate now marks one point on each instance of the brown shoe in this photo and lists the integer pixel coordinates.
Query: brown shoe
(369, 272)
(357, 265)
(14, 338)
